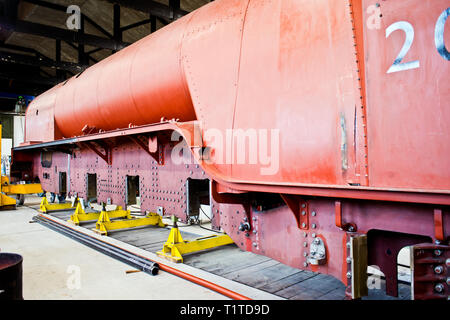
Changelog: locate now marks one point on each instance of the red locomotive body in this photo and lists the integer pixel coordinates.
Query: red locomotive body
(316, 130)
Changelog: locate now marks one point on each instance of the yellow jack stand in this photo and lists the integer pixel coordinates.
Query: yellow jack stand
(104, 224)
(46, 207)
(80, 215)
(175, 246)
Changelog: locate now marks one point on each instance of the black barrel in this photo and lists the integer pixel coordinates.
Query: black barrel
(10, 276)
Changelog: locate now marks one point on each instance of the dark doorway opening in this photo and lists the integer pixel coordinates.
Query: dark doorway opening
(132, 189)
(92, 187)
(62, 183)
(197, 191)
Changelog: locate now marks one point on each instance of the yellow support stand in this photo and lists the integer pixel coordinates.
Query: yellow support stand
(46, 207)
(175, 247)
(80, 215)
(104, 223)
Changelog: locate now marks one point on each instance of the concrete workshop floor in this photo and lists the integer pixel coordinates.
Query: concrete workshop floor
(51, 262)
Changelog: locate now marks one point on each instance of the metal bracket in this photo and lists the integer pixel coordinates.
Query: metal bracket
(152, 147)
(350, 227)
(383, 248)
(299, 209)
(438, 225)
(317, 252)
(106, 156)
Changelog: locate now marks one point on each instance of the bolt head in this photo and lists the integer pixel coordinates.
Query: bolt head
(349, 260)
(255, 244)
(303, 205)
(316, 240)
(437, 242)
(303, 213)
(448, 281)
(303, 225)
(313, 213)
(305, 264)
(305, 254)
(305, 244)
(437, 252)
(439, 288)
(313, 235)
(447, 262)
(313, 226)
(349, 275)
(348, 245)
(438, 269)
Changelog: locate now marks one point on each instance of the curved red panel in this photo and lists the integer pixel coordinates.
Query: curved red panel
(312, 73)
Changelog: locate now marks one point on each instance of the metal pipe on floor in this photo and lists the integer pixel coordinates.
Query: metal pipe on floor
(202, 282)
(145, 265)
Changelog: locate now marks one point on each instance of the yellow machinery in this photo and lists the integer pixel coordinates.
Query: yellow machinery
(7, 189)
(105, 224)
(46, 207)
(80, 216)
(175, 246)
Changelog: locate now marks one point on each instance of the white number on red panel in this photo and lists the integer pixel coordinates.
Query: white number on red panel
(408, 29)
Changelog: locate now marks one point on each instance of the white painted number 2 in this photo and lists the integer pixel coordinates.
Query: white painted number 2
(406, 27)
(409, 30)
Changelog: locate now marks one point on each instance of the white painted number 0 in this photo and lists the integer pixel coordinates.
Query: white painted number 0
(439, 35)
(409, 31)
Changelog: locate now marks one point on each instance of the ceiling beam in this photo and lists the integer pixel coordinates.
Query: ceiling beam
(61, 34)
(152, 7)
(20, 48)
(75, 47)
(134, 25)
(62, 8)
(28, 78)
(40, 62)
